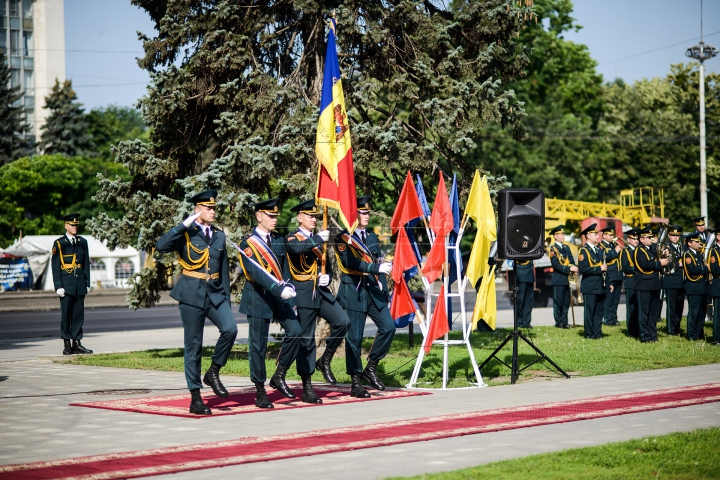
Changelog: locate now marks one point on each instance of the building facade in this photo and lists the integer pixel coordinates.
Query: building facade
(32, 35)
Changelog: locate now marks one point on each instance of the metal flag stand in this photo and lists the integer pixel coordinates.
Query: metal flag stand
(466, 326)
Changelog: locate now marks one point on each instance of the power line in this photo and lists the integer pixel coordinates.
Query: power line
(658, 49)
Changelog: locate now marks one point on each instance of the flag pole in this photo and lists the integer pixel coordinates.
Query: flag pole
(325, 227)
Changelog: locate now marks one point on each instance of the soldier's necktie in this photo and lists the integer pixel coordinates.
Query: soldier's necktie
(267, 239)
(207, 234)
(73, 242)
(362, 237)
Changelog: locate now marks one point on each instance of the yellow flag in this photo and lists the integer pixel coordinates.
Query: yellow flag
(474, 208)
(486, 303)
(489, 216)
(479, 208)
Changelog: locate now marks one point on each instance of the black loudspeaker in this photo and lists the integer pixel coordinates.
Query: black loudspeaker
(521, 223)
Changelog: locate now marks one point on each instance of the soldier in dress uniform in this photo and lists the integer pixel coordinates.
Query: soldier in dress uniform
(647, 283)
(305, 258)
(626, 264)
(563, 265)
(71, 279)
(525, 271)
(592, 269)
(703, 233)
(267, 297)
(674, 284)
(695, 286)
(203, 291)
(613, 276)
(714, 265)
(363, 293)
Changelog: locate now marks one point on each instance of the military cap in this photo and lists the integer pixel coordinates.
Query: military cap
(308, 207)
(558, 229)
(363, 204)
(610, 230)
(699, 221)
(646, 232)
(270, 207)
(632, 233)
(591, 229)
(206, 198)
(675, 230)
(693, 236)
(71, 219)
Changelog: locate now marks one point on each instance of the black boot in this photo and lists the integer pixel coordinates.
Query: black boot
(323, 364)
(261, 399)
(370, 376)
(357, 390)
(197, 406)
(309, 395)
(78, 348)
(212, 380)
(278, 382)
(68, 349)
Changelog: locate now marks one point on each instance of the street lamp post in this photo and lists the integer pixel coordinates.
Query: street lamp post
(702, 52)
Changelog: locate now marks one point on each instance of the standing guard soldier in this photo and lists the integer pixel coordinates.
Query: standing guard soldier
(592, 269)
(613, 276)
(703, 233)
(305, 257)
(267, 297)
(363, 293)
(526, 291)
(674, 284)
(626, 264)
(71, 279)
(695, 286)
(203, 290)
(714, 266)
(563, 265)
(647, 283)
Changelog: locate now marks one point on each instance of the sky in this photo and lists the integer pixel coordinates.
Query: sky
(630, 39)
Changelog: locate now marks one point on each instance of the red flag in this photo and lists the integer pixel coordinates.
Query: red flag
(408, 206)
(435, 260)
(402, 303)
(404, 255)
(439, 323)
(441, 220)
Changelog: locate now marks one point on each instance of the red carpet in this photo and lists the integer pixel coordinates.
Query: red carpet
(240, 401)
(257, 449)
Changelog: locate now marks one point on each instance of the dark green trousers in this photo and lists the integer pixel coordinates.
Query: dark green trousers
(354, 337)
(716, 319)
(334, 314)
(593, 314)
(675, 302)
(526, 300)
(612, 299)
(561, 304)
(632, 319)
(72, 316)
(193, 320)
(259, 329)
(650, 305)
(697, 306)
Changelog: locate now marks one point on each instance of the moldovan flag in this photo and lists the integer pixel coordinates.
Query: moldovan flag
(479, 208)
(486, 303)
(336, 177)
(439, 323)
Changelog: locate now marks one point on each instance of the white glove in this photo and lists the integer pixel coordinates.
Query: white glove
(189, 220)
(61, 292)
(324, 280)
(325, 235)
(385, 267)
(287, 293)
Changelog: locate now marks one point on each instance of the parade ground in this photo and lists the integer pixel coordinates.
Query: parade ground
(45, 421)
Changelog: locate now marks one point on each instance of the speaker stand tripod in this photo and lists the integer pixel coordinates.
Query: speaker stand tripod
(514, 336)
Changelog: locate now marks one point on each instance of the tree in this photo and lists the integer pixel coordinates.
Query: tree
(13, 128)
(66, 128)
(233, 99)
(111, 125)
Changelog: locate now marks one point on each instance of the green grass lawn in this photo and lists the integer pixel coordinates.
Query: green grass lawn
(690, 455)
(614, 353)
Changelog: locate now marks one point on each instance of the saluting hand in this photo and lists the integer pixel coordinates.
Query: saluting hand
(189, 220)
(324, 234)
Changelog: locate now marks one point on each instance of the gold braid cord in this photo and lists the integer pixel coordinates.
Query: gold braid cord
(306, 271)
(193, 264)
(347, 271)
(564, 261)
(637, 264)
(591, 262)
(687, 274)
(67, 268)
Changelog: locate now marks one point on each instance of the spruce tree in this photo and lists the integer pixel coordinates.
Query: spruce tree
(66, 128)
(13, 128)
(234, 93)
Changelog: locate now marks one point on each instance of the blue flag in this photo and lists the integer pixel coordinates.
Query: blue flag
(421, 195)
(454, 258)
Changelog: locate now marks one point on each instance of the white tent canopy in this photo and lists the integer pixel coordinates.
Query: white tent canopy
(108, 268)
